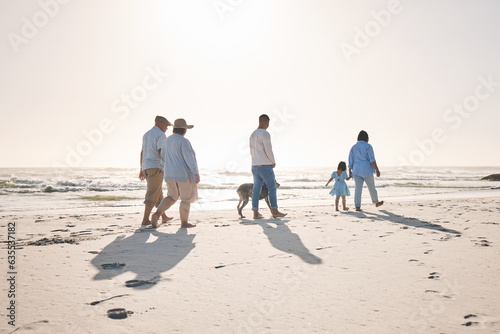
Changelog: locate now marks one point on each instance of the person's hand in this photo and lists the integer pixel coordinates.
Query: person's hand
(378, 173)
(197, 178)
(142, 176)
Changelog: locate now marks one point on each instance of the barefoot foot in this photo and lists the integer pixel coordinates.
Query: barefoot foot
(277, 214)
(154, 219)
(257, 215)
(346, 209)
(187, 225)
(165, 218)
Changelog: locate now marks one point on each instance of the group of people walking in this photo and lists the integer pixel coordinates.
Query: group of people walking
(173, 159)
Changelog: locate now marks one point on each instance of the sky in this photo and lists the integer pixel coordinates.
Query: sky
(81, 81)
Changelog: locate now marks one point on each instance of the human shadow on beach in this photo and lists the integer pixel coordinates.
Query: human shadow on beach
(147, 253)
(408, 221)
(283, 239)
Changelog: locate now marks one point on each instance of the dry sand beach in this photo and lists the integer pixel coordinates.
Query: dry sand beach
(417, 266)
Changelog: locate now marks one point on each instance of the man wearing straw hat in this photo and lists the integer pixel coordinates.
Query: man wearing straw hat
(181, 174)
(152, 167)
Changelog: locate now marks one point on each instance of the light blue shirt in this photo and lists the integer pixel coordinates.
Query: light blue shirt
(361, 157)
(152, 141)
(180, 159)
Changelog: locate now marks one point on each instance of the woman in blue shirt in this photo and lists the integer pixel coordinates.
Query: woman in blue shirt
(362, 166)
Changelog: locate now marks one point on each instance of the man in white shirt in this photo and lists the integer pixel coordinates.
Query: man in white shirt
(262, 168)
(152, 167)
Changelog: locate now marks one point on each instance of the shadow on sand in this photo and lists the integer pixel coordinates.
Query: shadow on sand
(147, 253)
(283, 239)
(413, 222)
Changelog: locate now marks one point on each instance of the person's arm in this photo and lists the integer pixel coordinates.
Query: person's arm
(162, 163)
(374, 164)
(190, 159)
(142, 177)
(161, 143)
(331, 179)
(371, 157)
(268, 148)
(351, 162)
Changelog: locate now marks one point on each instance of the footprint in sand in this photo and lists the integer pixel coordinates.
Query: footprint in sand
(100, 301)
(434, 275)
(470, 322)
(482, 321)
(134, 283)
(60, 230)
(482, 242)
(118, 313)
(115, 265)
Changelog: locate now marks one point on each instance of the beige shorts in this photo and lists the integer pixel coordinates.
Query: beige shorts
(154, 193)
(186, 191)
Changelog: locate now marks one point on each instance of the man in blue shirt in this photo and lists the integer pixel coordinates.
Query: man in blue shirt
(152, 167)
(181, 174)
(362, 163)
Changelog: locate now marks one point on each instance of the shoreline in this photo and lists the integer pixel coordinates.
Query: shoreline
(325, 201)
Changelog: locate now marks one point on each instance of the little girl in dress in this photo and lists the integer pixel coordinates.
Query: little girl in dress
(340, 187)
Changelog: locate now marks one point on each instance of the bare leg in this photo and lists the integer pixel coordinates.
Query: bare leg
(147, 212)
(184, 212)
(343, 204)
(165, 204)
(337, 203)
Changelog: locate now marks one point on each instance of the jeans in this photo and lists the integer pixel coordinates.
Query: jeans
(370, 183)
(263, 174)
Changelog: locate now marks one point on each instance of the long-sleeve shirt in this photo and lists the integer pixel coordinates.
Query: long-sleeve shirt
(180, 159)
(152, 141)
(261, 148)
(361, 157)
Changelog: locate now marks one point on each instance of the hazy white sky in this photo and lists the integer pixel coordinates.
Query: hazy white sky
(81, 81)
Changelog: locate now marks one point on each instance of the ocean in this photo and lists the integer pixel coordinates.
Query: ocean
(39, 190)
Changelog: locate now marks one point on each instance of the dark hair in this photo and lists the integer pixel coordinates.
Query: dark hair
(363, 135)
(179, 131)
(263, 118)
(342, 166)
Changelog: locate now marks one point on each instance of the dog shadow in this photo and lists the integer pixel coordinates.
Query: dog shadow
(147, 253)
(398, 219)
(283, 239)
